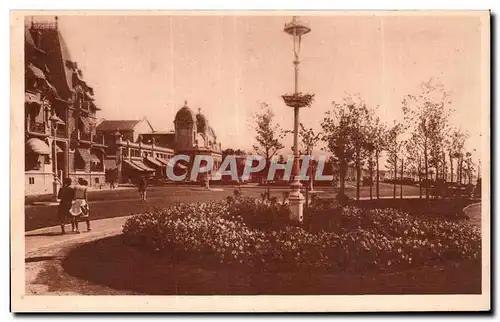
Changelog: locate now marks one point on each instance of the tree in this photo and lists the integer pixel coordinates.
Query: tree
(375, 145)
(456, 143)
(337, 125)
(394, 146)
(268, 135)
(426, 115)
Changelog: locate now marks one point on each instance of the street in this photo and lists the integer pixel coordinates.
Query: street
(124, 202)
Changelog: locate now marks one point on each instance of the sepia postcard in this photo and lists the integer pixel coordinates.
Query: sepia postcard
(205, 161)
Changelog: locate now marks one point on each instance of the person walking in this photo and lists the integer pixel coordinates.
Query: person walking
(143, 185)
(80, 204)
(65, 195)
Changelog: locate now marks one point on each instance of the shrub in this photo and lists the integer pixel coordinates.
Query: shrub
(236, 233)
(260, 213)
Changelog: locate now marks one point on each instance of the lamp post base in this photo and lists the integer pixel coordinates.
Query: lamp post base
(296, 203)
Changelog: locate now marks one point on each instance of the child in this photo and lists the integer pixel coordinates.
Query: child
(80, 206)
(85, 208)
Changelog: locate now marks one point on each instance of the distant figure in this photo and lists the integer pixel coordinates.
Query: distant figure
(112, 184)
(65, 196)
(143, 185)
(80, 204)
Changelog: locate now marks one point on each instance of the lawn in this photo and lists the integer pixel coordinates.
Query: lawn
(111, 263)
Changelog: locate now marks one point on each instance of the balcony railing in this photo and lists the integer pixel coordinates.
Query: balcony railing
(97, 167)
(85, 136)
(36, 127)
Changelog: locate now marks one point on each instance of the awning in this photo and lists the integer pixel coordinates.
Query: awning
(30, 98)
(58, 149)
(162, 161)
(154, 161)
(132, 165)
(182, 166)
(85, 154)
(37, 146)
(141, 165)
(35, 71)
(94, 158)
(110, 164)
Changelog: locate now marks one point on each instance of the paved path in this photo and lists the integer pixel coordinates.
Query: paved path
(46, 238)
(474, 213)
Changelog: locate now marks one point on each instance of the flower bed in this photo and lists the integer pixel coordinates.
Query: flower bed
(238, 232)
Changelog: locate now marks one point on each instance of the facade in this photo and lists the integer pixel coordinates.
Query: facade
(135, 149)
(131, 153)
(60, 115)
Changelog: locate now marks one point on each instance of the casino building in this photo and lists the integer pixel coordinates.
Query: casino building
(135, 148)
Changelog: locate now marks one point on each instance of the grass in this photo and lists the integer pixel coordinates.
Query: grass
(113, 264)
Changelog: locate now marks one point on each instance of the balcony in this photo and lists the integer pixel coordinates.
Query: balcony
(85, 136)
(81, 136)
(39, 128)
(99, 139)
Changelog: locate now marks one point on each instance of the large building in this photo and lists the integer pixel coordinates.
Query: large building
(60, 115)
(136, 149)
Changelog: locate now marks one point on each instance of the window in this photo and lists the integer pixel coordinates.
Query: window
(31, 180)
(96, 180)
(47, 159)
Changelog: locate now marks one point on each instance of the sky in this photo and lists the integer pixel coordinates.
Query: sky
(226, 65)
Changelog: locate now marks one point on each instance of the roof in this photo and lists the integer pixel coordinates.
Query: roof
(52, 42)
(185, 114)
(120, 125)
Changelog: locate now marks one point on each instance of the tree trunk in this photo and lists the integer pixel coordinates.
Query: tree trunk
(358, 173)
(420, 177)
(378, 176)
(451, 168)
(395, 176)
(401, 184)
(426, 169)
(342, 177)
(371, 175)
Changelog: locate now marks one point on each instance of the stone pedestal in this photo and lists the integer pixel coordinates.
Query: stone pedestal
(296, 203)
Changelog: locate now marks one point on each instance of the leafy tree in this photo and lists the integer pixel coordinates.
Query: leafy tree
(268, 135)
(426, 115)
(337, 126)
(394, 145)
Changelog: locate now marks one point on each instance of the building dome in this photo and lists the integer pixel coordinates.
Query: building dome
(201, 123)
(185, 116)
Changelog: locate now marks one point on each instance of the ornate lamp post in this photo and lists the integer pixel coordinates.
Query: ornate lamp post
(56, 183)
(296, 100)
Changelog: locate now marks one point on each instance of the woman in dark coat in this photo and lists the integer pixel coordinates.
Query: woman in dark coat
(65, 196)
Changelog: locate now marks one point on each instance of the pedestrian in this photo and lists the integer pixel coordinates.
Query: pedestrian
(112, 184)
(143, 185)
(79, 207)
(86, 209)
(65, 195)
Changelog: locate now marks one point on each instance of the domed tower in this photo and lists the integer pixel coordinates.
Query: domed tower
(202, 129)
(185, 128)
